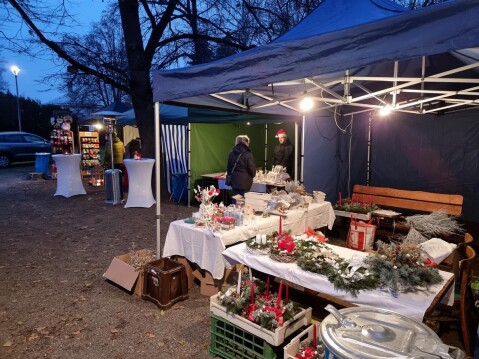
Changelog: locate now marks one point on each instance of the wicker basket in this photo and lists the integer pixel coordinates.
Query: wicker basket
(282, 258)
(257, 251)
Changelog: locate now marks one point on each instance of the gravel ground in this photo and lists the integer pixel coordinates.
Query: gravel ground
(54, 302)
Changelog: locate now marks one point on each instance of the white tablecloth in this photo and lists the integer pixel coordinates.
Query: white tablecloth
(69, 182)
(139, 182)
(204, 248)
(412, 305)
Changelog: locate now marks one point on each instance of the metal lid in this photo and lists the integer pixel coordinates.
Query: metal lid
(366, 333)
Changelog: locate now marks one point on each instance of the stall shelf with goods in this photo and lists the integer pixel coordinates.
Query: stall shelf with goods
(89, 143)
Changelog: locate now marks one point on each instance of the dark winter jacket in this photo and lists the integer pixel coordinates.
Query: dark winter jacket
(284, 156)
(245, 170)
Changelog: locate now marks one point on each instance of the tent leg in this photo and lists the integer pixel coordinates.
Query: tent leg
(158, 180)
(368, 163)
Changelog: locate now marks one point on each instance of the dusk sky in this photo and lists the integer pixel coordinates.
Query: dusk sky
(32, 70)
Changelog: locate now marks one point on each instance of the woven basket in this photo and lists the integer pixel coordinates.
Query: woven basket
(282, 259)
(257, 251)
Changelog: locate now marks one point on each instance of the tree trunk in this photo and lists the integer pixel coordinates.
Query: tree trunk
(139, 71)
(140, 85)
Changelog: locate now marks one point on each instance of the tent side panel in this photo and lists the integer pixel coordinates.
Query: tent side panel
(429, 153)
(328, 167)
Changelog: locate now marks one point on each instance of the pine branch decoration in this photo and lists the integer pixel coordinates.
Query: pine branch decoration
(400, 268)
(435, 224)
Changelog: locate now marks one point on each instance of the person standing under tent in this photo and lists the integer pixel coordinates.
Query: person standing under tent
(284, 152)
(241, 166)
(118, 153)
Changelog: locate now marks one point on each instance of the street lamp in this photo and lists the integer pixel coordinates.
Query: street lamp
(15, 70)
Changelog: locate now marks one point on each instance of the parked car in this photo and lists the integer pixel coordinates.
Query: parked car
(21, 147)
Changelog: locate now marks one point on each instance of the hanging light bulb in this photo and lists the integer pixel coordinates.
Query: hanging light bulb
(386, 110)
(306, 104)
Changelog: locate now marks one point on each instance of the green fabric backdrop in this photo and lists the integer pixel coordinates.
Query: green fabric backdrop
(211, 144)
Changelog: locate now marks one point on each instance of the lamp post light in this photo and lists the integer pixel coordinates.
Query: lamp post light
(15, 70)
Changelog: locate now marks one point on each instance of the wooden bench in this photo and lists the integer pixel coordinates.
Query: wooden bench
(412, 201)
(408, 203)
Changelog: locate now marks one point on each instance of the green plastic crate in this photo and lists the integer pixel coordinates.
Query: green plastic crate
(231, 342)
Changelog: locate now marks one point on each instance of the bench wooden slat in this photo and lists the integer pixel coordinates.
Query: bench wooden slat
(413, 200)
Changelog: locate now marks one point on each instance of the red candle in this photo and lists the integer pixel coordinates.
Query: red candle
(340, 199)
(252, 293)
(287, 293)
(267, 286)
(280, 224)
(278, 300)
(314, 336)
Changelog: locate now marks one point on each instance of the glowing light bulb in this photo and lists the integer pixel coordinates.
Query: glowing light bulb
(306, 104)
(386, 110)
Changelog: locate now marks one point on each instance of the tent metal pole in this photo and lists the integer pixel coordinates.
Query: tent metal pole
(265, 146)
(296, 134)
(189, 164)
(302, 148)
(158, 180)
(368, 163)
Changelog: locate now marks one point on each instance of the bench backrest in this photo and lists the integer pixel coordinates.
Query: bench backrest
(411, 200)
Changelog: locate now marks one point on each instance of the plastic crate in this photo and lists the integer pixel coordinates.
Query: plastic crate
(306, 337)
(276, 337)
(229, 341)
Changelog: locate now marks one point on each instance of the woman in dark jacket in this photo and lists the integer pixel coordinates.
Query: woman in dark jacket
(245, 170)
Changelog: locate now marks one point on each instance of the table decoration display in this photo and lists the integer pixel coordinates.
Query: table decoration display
(205, 197)
(359, 206)
(394, 267)
(283, 248)
(226, 222)
(260, 245)
(295, 187)
(306, 345)
(254, 302)
(277, 176)
(402, 267)
(427, 226)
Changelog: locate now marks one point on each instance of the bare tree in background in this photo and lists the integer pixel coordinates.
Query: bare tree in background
(3, 82)
(157, 34)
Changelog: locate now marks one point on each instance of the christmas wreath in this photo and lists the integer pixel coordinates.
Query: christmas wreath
(401, 267)
(349, 276)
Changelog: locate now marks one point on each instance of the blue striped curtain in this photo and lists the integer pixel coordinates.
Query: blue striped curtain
(174, 145)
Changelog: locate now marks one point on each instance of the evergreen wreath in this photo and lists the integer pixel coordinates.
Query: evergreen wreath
(400, 267)
(342, 274)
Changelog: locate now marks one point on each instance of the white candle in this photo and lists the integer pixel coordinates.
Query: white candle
(250, 273)
(258, 238)
(238, 288)
(263, 238)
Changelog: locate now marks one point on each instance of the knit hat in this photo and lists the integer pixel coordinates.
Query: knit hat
(281, 133)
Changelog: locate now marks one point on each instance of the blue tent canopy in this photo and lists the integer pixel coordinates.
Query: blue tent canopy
(361, 38)
(353, 58)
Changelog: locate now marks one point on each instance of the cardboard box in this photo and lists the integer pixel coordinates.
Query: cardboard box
(210, 286)
(121, 272)
(258, 201)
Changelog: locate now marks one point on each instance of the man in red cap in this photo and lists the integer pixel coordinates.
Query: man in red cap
(284, 152)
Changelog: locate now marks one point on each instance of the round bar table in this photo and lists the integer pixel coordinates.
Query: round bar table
(139, 182)
(69, 182)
